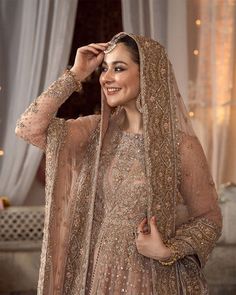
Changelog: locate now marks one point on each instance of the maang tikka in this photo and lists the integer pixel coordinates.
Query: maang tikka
(139, 103)
(112, 44)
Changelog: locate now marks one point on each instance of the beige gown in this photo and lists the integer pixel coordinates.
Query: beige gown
(121, 204)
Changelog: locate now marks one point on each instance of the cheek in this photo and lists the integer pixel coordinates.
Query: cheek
(132, 81)
(135, 82)
(101, 79)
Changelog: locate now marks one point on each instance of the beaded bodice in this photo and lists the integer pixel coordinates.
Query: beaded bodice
(121, 179)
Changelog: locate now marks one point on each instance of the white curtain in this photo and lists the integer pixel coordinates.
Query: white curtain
(215, 100)
(35, 37)
(164, 21)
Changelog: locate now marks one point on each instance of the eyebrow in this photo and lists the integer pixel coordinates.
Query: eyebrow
(116, 62)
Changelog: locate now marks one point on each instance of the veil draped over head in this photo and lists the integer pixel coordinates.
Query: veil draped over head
(176, 166)
(182, 194)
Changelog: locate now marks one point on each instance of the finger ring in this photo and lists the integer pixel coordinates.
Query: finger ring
(137, 233)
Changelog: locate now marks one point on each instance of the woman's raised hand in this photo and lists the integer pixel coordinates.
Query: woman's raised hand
(87, 59)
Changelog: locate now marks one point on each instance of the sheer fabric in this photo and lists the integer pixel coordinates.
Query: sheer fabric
(101, 182)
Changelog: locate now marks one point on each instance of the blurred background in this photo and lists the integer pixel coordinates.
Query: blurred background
(39, 39)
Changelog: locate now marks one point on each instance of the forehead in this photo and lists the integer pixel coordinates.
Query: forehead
(120, 52)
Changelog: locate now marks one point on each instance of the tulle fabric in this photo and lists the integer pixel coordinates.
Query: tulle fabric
(170, 179)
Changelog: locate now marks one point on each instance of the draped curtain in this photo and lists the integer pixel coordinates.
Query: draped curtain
(164, 21)
(35, 37)
(215, 101)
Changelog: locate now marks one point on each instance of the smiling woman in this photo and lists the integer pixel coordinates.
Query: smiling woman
(120, 74)
(125, 212)
(121, 84)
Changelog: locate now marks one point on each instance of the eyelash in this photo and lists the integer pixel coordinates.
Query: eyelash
(117, 69)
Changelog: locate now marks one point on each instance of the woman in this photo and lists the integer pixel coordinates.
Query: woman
(131, 207)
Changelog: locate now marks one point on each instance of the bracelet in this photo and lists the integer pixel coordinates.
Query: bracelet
(78, 82)
(173, 257)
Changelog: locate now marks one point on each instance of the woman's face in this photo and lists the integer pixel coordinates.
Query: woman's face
(120, 77)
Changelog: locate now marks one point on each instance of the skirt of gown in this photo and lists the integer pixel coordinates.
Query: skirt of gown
(117, 267)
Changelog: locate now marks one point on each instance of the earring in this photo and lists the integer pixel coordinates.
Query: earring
(139, 104)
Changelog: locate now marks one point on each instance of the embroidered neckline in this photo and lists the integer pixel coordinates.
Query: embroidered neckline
(127, 133)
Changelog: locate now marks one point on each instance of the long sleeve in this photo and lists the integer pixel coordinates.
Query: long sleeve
(35, 121)
(199, 235)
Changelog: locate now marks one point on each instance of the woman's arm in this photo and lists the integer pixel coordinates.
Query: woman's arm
(199, 235)
(34, 122)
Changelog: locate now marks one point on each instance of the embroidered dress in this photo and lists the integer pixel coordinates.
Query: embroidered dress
(101, 182)
(121, 204)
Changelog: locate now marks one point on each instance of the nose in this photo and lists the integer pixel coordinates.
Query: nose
(107, 76)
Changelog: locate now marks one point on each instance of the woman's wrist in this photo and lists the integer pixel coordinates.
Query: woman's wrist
(167, 253)
(75, 78)
(170, 258)
(78, 76)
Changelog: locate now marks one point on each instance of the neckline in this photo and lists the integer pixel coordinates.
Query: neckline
(131, 134)
(128, 133)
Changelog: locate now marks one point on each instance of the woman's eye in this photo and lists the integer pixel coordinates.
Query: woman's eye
(119, 69)
(116, 69)
(103, 69)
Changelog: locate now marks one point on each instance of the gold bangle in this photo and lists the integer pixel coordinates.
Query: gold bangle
(173, 257)
(78, 82)
(168, 263)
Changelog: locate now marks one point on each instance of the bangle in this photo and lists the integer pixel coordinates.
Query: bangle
(78, 82)
(172, 259)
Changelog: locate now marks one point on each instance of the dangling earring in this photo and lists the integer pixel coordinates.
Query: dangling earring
(139, 104)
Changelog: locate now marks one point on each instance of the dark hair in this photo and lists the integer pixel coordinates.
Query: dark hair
(132, 46)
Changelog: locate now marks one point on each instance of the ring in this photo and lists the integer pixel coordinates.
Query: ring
(137, 233)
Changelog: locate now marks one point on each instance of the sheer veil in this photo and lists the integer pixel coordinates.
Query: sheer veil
(182, 192)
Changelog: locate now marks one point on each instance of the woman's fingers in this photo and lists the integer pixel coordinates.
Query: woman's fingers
(94, 48)
(142, 228)
(89, 49)
(103, 44)
(99, 58)
(99, 46)
(88, 58)
(142, 225)
(153, 226)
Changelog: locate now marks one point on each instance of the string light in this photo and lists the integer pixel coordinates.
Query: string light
(191, 114)
(198, 22)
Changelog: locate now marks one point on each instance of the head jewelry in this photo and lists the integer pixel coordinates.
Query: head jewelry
(112, 44)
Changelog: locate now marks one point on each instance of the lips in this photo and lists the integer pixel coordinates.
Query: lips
(112, 90)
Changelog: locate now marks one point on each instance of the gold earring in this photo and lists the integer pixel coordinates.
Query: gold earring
(139, 104)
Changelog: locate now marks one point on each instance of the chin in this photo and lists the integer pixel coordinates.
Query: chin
(112, 104)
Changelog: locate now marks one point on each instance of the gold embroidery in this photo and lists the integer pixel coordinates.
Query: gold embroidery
(86, 185)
